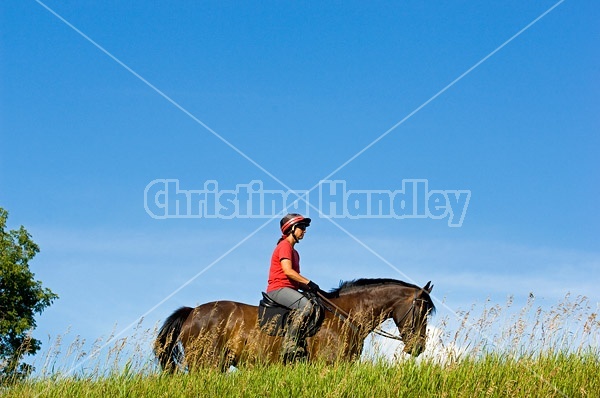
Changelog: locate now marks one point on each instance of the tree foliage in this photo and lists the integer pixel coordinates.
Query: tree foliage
(21, 297)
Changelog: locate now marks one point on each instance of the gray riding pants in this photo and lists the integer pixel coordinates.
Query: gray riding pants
(292, 299)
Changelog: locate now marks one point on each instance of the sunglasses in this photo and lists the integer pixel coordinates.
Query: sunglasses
(301, 226)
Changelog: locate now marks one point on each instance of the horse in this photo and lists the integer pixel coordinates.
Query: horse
(221, 334)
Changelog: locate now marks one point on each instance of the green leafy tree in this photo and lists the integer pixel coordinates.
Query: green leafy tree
(21, 297)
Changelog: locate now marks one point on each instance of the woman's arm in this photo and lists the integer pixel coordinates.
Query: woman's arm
(286, 265)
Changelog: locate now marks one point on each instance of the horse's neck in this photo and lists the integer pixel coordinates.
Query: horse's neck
(372, 306)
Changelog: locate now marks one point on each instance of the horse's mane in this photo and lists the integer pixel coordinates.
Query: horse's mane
(362, 283)
(346, 286)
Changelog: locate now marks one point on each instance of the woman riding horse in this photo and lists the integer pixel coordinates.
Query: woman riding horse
(226, 333)
(285, 280)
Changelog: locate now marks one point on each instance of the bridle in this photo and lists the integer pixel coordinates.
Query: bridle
(412, 310)
(344, 316)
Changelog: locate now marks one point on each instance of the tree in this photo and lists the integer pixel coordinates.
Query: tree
(21, 297)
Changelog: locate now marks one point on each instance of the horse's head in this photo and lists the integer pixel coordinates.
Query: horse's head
(411, 315)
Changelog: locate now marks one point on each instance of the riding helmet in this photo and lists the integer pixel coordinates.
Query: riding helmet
(287, 223)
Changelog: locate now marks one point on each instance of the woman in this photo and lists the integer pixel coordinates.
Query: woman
(285, 280)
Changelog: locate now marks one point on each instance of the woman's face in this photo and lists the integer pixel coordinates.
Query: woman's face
(299, 231)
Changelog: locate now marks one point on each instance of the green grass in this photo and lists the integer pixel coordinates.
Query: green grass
(493, 351)
(571, 375)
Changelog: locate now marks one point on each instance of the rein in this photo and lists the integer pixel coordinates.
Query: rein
(344, 316)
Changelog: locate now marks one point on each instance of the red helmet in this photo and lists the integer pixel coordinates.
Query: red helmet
(292, 219)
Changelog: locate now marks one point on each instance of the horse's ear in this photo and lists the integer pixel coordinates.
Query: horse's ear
(428, 287)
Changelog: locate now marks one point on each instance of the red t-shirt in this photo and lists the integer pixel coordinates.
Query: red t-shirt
(277, 278)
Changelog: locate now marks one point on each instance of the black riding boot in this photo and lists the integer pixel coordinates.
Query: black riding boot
(294, 342)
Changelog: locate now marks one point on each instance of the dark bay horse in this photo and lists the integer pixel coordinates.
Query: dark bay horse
(224, 333)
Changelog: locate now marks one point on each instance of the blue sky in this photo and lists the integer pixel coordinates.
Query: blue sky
(299, 89)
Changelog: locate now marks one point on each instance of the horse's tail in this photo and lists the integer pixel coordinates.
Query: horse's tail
(166, 347)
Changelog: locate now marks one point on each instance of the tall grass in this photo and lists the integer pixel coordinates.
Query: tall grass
(545, 376)
(491, 350)
(571, 326)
